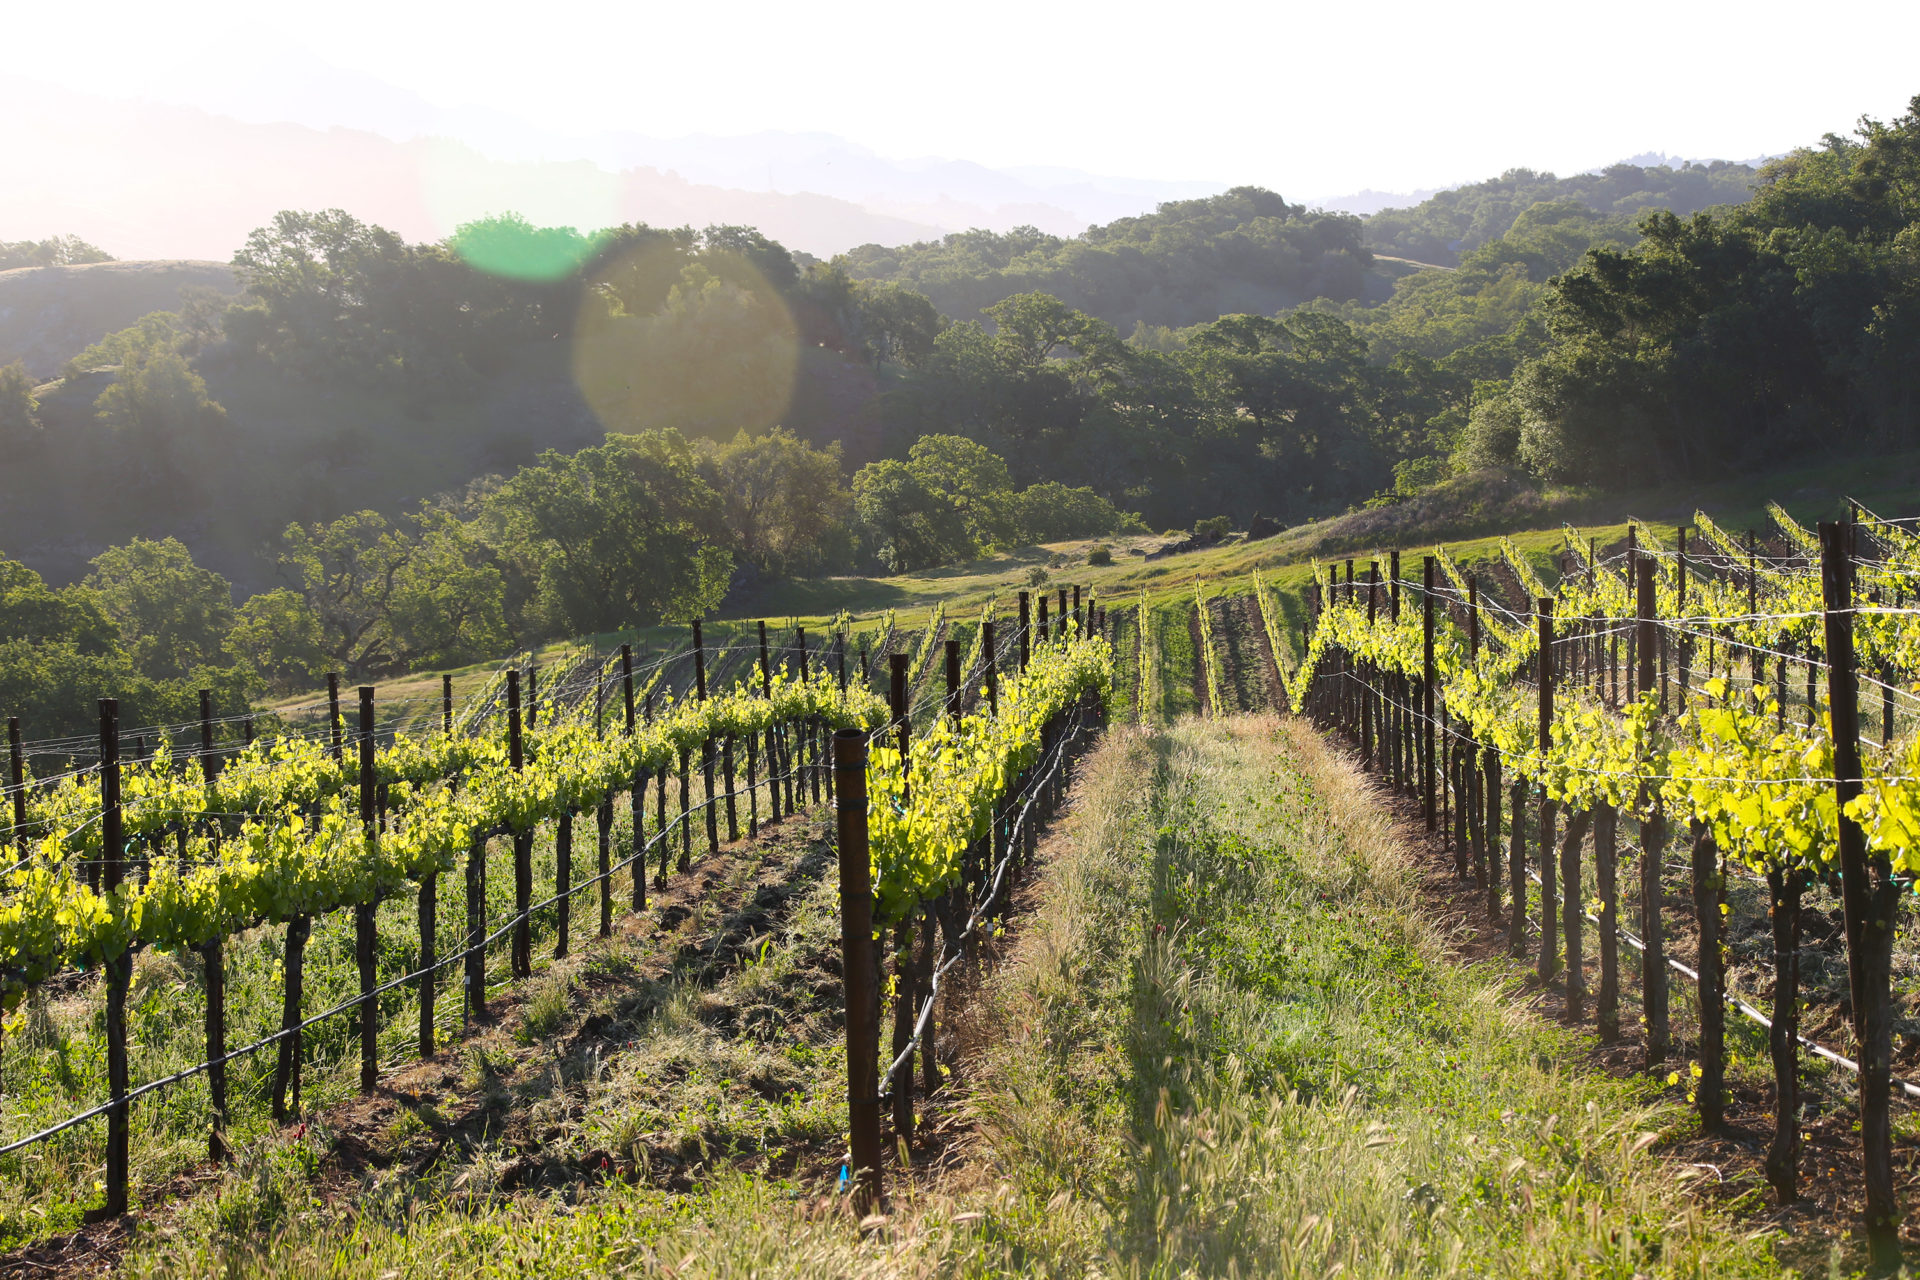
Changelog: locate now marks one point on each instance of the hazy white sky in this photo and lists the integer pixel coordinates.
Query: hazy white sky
(1312, 99)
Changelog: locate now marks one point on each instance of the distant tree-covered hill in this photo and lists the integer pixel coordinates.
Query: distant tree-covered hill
(1444, 228)
(1246, 250)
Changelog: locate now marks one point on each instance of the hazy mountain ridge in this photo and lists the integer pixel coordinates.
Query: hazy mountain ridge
(112, 172)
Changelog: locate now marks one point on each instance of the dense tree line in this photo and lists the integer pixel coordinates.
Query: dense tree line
(54, 251)
(1731, 339)
(1245, 250)
(641, 529)
(1449, 225)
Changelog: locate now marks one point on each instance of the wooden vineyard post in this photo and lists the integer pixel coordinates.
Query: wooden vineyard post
(1426, 694)
(119, 970)
(1549, 962)
(953, 680)
(903, 994)
(213, 958)
(857, 969)
(17, 783)
(1685, 641)
(1870, 900)
(773, 754)
(1040, 623)
(753, 785)
(1653, 840)
(1780, 695)
(1397, 688)
(427, 914)
(796, 759)
(686, 812)
(563, 882)
(706, 746)
(1455, 793)
(603, 824)
(1633, 635)
(1783, 1037)
(1709, 1091)
(727, 781)
(1517, 868)
(363, 912)
(474, 977)
(726, 762)
(1572, 916)
(897, 704)
(1490, 768)
(1813, 669)
(637, 796)
(603, 813)
(286, 1074)
(805, 730)
(1757, 661)
(1026, 627)
(427, 911)
(1369, 674)
(522, 954)
(1470, 765)
(989, 669)
(1606, 825)
(333, 712)
(661, 831)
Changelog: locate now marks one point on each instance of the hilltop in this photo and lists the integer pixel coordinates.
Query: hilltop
(50, 314)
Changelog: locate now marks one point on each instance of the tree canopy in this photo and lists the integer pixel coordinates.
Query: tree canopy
(1246, 249)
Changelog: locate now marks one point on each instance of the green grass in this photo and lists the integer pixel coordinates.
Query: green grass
(1123, 697)
(1173, 660)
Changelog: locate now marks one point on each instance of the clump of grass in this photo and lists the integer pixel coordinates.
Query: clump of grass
(486, 1066)
(548, 1004)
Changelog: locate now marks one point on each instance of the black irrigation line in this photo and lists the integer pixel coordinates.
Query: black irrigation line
(1733, 1001)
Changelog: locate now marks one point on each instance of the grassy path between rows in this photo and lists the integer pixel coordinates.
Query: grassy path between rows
(1224, 1042)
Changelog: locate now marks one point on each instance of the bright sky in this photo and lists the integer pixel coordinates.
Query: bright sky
(1313, 99)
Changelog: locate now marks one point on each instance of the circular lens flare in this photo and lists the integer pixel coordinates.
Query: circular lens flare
(667, 338)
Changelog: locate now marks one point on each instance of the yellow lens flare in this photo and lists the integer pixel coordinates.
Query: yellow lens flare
(704, 345)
